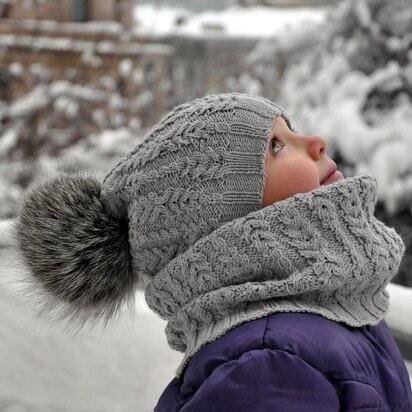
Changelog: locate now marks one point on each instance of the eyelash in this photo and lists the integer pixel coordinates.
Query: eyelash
(275, 140)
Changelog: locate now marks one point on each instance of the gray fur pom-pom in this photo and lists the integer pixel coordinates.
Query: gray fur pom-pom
(77, 255)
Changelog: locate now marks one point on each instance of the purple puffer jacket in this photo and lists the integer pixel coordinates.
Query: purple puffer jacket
(294, 362)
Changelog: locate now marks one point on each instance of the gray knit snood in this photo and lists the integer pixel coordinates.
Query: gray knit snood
(321, 252)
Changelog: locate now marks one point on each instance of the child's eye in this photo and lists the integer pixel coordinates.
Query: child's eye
(278, 143)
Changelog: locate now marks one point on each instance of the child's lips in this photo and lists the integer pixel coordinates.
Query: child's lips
(332, 178)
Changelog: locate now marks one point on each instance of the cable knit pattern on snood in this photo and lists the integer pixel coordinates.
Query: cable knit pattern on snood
(201, 166)
(322, 252)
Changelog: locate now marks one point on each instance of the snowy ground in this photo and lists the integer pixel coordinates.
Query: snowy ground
(251, 22)
(409, 366)
(122, 369)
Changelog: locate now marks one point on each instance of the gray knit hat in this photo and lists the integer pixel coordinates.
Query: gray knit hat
(87, 244)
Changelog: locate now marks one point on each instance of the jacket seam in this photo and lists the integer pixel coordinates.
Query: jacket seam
(264, 332)
(292, 353)
(272, 349)
(365, 383)
(332, 376)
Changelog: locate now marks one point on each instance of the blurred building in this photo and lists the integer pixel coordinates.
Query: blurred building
(69, 10)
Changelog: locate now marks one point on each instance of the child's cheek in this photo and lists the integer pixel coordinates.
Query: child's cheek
(296, 175)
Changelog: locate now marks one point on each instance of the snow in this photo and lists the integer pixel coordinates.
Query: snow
(8, 141)
(400, 308)
(91, 27)
(42, 95)
(96, 153)
(35, 100)
(119, 369)
(125, 67)
(233, 21)
(16, 69)
(138, 76)
(40, 43)
(142, 100)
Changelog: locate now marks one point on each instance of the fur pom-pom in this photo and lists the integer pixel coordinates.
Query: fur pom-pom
(77, 255)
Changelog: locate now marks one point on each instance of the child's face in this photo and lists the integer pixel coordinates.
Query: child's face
(295, 163)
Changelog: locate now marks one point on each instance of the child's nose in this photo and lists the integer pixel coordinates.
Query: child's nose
(316, 146)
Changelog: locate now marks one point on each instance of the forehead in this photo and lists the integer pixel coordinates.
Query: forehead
(279, 120)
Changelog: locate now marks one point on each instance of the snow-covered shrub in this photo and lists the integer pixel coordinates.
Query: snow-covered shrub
(66, 124)
(355, 88)
(53, 116)
(97, 153)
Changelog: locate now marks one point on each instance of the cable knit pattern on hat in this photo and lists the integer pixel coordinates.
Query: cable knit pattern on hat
(201, 166)
(322, 252)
